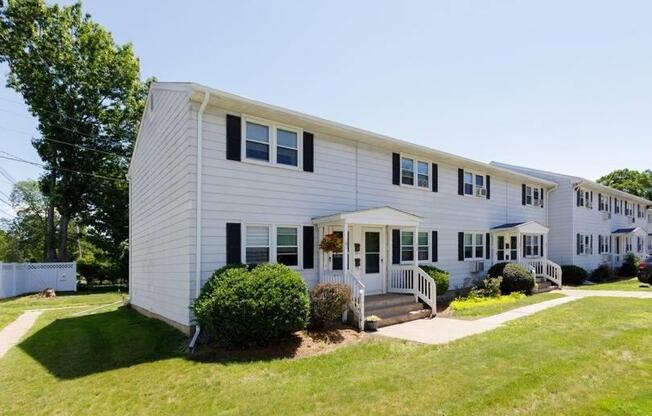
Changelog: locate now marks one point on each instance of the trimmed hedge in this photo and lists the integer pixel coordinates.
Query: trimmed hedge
(602, 273)
(574, 275)
(242, 306)
(441, 278)
(327, 302)
(516, 278)
(497, 269)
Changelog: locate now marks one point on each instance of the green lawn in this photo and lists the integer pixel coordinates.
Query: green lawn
(589, 357)
(11, 308)
(502, 304)
(626, 284)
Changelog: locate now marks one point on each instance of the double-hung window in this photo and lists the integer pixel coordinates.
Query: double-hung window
(532, 245)
(628, 244)
(287, 246)
(473, 246)
(474, 184)
(415, 172)
(272, 143)
(407, 246)
(528, 195)
(257, 244)
(604, 243)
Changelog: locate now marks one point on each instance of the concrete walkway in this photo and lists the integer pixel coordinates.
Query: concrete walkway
(13, 332)
(444, 330)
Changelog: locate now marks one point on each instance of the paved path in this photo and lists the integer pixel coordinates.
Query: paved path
(444, 330)
(13, 332)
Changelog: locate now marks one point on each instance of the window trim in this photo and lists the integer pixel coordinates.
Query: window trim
(416, 242)
(474, 185)
(532, 189)
(273, 142)
(474, 245)
(537, 239)
(273, 237)
(415, 172)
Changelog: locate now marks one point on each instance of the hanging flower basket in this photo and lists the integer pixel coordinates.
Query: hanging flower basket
(331, 243)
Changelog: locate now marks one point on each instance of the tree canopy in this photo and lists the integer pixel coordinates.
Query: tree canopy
(635, 182)
(86, 93)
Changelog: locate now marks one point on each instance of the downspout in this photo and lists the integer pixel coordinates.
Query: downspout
(198, 213)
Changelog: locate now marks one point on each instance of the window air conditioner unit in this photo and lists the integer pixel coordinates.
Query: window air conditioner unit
(481, 192)
(477, 266)
(606, 215)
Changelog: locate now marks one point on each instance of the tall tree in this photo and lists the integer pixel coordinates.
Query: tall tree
(635, 182)
(85, 90)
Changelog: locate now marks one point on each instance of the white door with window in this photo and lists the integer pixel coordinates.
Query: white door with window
(506, 247)
(373, 261)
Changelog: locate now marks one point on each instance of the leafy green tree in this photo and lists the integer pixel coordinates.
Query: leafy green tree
(635, 182)
(86, 93)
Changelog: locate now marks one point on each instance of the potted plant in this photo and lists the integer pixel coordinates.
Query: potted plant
(331, 243)
(371, 323)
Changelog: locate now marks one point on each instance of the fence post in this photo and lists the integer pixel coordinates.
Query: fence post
(13, 278)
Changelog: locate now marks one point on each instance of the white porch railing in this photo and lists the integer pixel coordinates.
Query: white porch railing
(349, 279)
(413, 280)
(544, 268)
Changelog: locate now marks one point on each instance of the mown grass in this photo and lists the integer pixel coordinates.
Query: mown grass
(589, 357)
(481, 307)
(11, 308)
(626, 284)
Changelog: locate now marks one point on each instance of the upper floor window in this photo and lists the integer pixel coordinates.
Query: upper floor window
(533, 196)
(268, 142)
(474, 184)
(473, 246)
(411, 176)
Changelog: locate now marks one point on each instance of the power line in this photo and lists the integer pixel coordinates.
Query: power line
(6, 213)
(3, 201)
(71, 144)
(7, 176)
(17, 159)
(43, 110)
(58, 125)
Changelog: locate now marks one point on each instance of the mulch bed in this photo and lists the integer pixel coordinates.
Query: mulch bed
(301, 344)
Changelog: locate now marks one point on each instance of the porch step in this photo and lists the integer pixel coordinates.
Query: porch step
(395, 309)
(544, 285)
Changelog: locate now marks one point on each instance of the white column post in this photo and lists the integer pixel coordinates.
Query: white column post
(415, 248)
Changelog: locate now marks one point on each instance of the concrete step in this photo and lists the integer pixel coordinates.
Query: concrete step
(389, 311)
(410, 316)
(387, 300)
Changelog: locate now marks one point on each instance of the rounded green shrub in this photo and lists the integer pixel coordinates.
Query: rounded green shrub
(441, 278)
(573, 275)
(602, 273)
(630, 265)
(327, 302)
(241, 306)
(497, 269)
(516, 278)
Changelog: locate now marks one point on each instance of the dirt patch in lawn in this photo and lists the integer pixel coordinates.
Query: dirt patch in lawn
(301, 344)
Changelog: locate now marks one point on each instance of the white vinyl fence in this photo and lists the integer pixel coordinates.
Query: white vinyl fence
(19, 278)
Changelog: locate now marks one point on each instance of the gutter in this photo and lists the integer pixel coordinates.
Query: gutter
(198, 214)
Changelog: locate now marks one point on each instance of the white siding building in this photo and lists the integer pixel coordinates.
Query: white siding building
(217, 178)
(591, 224)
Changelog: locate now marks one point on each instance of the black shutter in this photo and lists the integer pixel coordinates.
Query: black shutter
(541, 253)
(308, 247)
(488, 246)
(396, 246)
(233, 137)
(435, 247)
(460, 181)
(591, 199)
(541, 196)
(591, 240)
(308, 152)
(579, 192)
(488, 187)
(524, 246)
(396, 169)
(600, 205)
(523, 194)
(579, 244)
(460, 246)
(435, 177)
(233, 247)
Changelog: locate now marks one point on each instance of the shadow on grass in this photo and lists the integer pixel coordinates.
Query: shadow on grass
(79, 346)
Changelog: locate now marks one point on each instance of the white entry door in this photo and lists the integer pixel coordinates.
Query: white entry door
(373, 262)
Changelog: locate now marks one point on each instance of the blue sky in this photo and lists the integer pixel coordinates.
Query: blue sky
(556, 85)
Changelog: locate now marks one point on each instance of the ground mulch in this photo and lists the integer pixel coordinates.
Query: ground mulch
(301, 344)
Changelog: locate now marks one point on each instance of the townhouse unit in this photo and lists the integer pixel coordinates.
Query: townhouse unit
(592, 224)
(219, 179)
